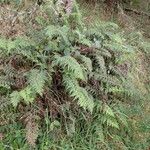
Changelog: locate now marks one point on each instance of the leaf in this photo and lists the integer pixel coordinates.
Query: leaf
(54, 124)
(3, 43)
(27, 95)
(122, 117)
(15, 98)
(69, 63)
(86, 62)
(36, 80)
(52, 31)
(107, 110)
(78, 93)
(99, 131)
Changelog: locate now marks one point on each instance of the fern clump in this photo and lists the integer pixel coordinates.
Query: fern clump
(66, 69)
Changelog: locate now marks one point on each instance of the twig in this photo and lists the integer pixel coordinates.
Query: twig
(137, 12)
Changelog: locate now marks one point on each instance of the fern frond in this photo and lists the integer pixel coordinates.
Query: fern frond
(78, 93)
(52, 31)
(100, 133)
(12, 46)
(108, 111)
(116, 89)
(94, 32)
(91, 90)
(3, 43)
(15, 98)
(110, 121)
(7, 76)
(36, 80)
(69, 63)
(107, 26)
(104, 52)
(110, 80)
(7, 45)
(122, 118)
(32, 129)
(100, 62)
(5, 103)
(109, 117)
(24, 42)
(9, 71)
(117, 47)
(4, 82)
(86, 62)
(27, 95)
(25, 52)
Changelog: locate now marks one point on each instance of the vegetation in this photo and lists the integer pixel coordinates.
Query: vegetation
(68, 85)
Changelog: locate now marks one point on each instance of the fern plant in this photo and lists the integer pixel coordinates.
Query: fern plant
(89, 65)
(69, 64)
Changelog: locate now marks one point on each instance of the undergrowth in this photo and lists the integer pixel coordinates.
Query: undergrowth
(70, 86)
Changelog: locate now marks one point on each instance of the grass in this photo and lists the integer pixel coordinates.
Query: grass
(87, 139)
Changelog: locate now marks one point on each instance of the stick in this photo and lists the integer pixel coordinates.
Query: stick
(137, 12)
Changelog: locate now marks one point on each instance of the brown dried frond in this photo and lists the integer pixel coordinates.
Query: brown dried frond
(124, 20)
(10, 25)
(1, 136)
(69, 6)
(86, 50)
(14, 23)
(19, 82)
(31, 129)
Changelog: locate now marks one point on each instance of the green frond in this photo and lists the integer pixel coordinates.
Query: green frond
(9, 71)
(145, 46)
(3, 43)
(118, 47)
(116, 37)
(86, 42)
(37, 80)
(12, 46)
(116, 89)
(91, 90)
(87, 63)
(111, 81)
(108, 111)
(4, 82)
(15, 98)
(24, 42)
(94, 32)
(122, 118)
(69, 63)
(100, 62)
(27, 95)
(110, 121)
(108, 117)
(78, 93)
(107, 26)
(104, 52)
(52, 31)
(25, 48)
(100, 133)
(6, 44)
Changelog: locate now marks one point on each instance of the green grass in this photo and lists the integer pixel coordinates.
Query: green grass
(85, 137)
